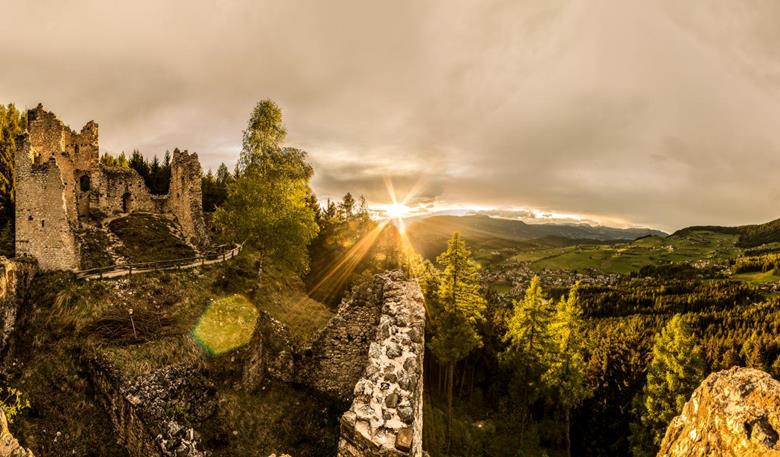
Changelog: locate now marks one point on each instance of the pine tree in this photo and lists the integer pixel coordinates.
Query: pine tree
(456, 313)
(675, 371)
(566, 373)
(530, 348)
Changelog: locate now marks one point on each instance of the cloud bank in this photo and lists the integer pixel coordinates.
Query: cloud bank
(661, 114)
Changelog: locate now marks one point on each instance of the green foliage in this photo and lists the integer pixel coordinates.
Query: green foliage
(459, 307)
(349, 248)
(530, 343)
(109, 160)
(266, 206)
(676, 370)
(566, 373)
(157, 177)
(214, 188)
(12, 123)
(12, 402)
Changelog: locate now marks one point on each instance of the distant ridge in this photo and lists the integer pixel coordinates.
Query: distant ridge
(749, 235)
(429, 235)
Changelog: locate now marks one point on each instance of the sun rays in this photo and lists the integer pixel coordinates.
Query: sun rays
(338, 272)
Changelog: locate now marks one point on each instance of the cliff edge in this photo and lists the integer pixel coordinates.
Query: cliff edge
(734, 412)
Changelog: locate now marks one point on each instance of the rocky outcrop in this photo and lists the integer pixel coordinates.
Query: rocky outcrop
(734, 412)
(15, 277)
(9, 446)
(385, 418)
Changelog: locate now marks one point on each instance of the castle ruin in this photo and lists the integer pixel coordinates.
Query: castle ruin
(60, 184)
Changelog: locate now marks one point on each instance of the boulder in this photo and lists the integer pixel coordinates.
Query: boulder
(734, 412)
(9, 446)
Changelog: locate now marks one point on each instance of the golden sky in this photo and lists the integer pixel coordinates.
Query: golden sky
(658, 113)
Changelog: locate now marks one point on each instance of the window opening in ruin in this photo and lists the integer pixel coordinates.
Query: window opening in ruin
(84, 183)
(29, 218)
(43, 223)
(76, 149)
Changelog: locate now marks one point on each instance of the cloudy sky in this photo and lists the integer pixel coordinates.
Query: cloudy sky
(661, 114)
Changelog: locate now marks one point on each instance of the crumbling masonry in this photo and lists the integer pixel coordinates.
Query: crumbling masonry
(60, 183)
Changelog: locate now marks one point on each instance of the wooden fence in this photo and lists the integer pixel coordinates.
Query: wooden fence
(215, 255)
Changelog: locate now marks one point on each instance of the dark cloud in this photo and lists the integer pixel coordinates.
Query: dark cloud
(660, 114)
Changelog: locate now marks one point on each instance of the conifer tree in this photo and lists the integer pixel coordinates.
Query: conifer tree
(566, 373)
(676, 370)
(456, 313)
(530, 348)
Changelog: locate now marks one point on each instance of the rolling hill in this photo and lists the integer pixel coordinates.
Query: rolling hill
(429, 235)
(748, 235)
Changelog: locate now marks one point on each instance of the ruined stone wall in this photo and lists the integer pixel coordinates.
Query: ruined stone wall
(116, 190)
(371, 355)
(44, 229)
(60, 181)
(15, 278)
(73, 152)
(335, 360)
(153, 415)
(185, 198)
(386, 418)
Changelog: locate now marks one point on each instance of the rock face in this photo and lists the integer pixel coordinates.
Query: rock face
(385, 418)
(9, 447)
(734, 412)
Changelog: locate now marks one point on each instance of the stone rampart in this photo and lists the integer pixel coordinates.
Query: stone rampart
(370, 355)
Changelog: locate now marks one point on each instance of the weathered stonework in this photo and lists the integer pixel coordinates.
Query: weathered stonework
(335, 360)
(371, 354)
(733, 413)
(15, 277)
(60, 183)
(386, 416)
(156, 414)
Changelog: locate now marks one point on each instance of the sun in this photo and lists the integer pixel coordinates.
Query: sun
(398, 211)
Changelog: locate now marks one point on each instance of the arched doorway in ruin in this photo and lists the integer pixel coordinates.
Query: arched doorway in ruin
(82, 197)
(126, 200)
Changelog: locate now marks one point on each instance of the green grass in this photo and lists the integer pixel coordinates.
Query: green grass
(628, 257)
(501, 287)
(303, 315)
(278, 419)
(149, 238)
(759, 277)
(227, 323)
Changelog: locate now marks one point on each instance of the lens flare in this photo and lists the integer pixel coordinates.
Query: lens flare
(227, 323)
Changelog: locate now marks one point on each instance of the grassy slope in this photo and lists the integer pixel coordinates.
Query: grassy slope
(628, 257)
(73, 317)
(149, 238)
